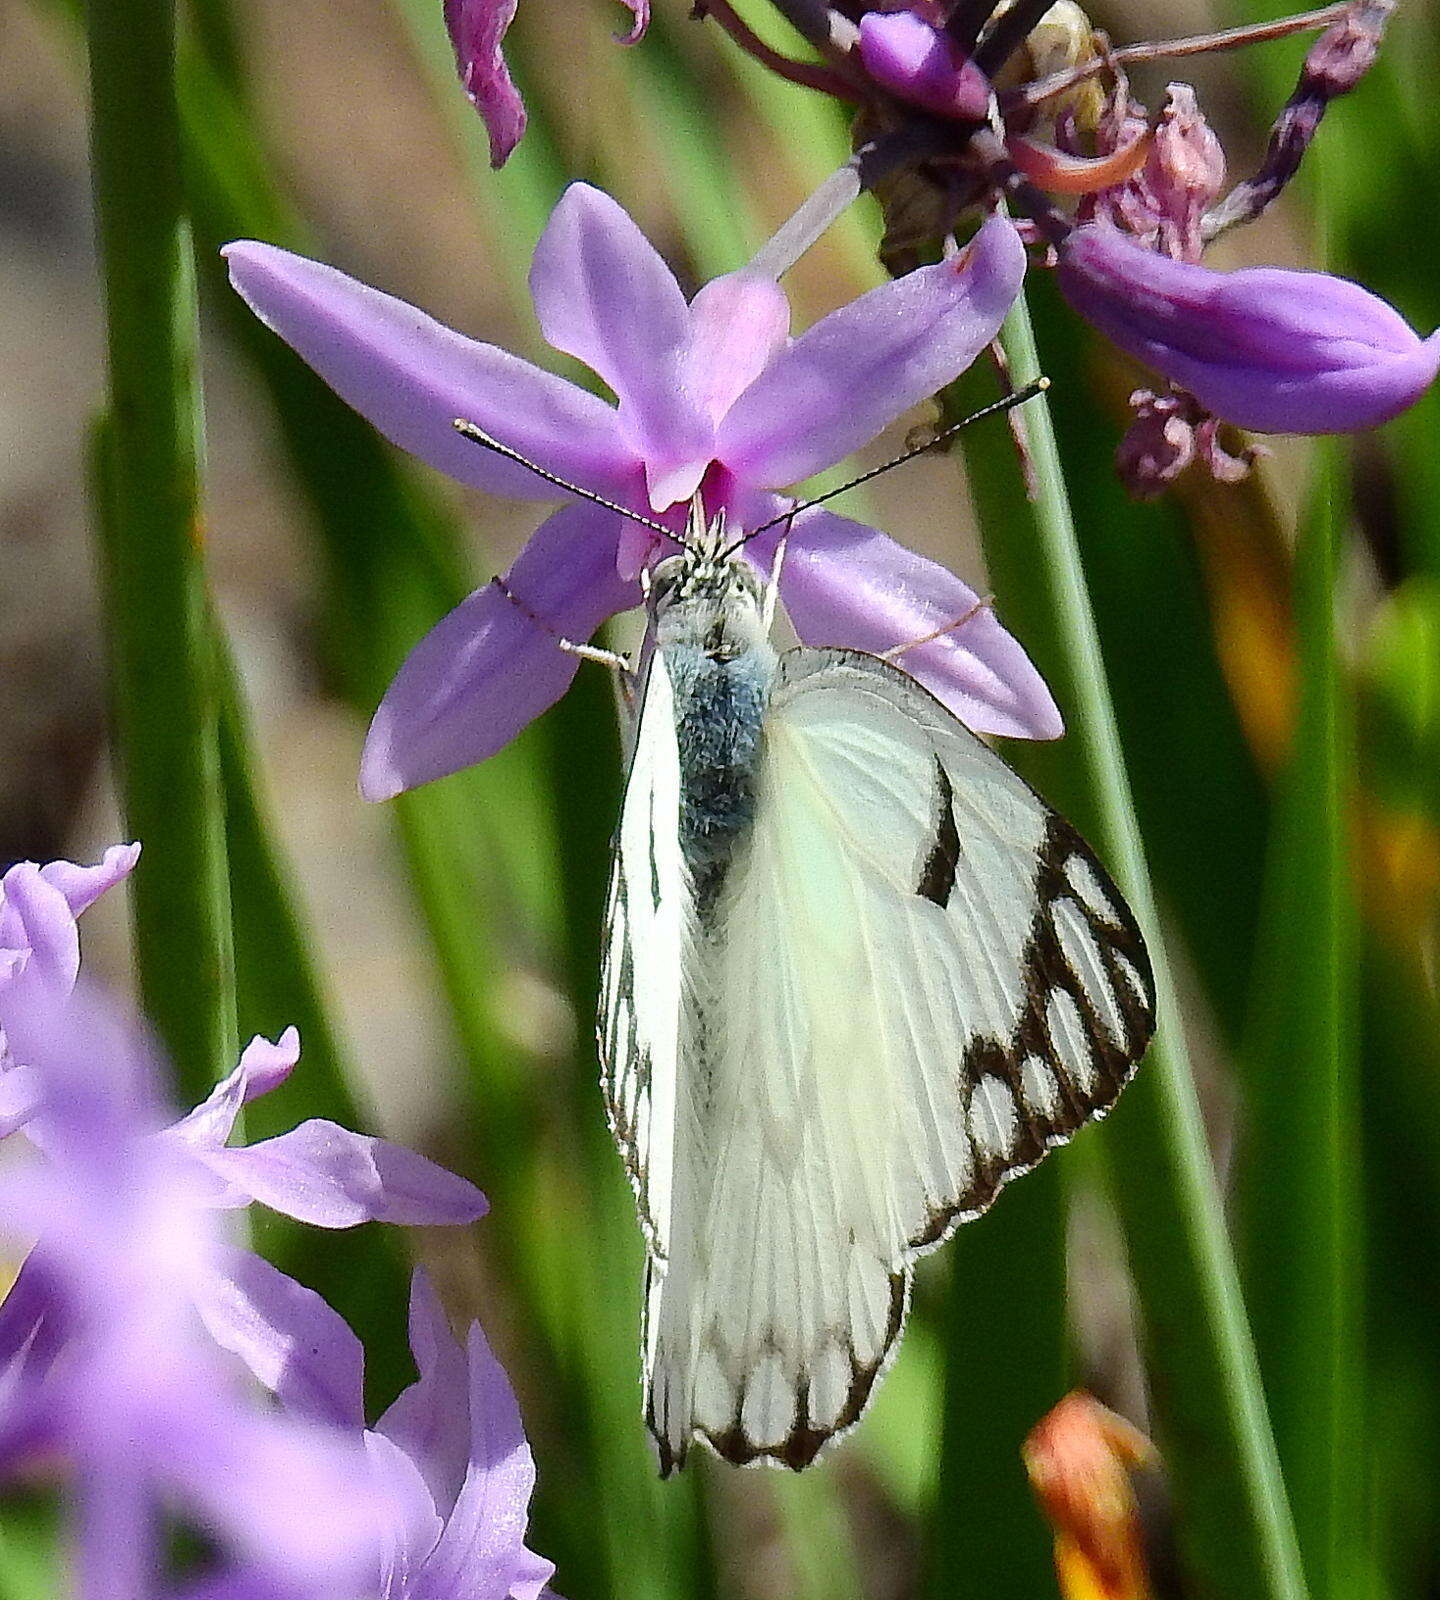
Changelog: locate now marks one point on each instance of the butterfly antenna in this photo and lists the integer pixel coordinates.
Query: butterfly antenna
(1006, 403)
(477, 435)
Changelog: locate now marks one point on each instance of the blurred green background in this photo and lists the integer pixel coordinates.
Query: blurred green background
(1273, 653)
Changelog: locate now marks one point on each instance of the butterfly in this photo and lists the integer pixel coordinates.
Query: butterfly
(857, 975)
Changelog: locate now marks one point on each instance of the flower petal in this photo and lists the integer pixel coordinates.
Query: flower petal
(83, 886)
(291, 1496)
(324, 1174)
(477, 28)
(291, 1340)
(412, 1524)
(1264, 348)
(849, 585)
(412, 377)
(37, 919)
(20, 1095)
(482, 1550)
(738, 323)
(261, 1068)
(429, 1421)
(493, 664)
(864, 365)
(604, 295)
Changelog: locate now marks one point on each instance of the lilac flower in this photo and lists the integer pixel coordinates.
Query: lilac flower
(450, 1454)
(712, 396)
(477, 31)
(103, 1364)
(1268, 349)
(40, 944)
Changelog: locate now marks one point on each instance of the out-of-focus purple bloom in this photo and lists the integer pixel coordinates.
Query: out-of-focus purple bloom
(1268, 349)
(449, 1455)
(712, 395)
(922, 64)
(40, 944)
(103, 1364)
(318, 1172)
(477, 31)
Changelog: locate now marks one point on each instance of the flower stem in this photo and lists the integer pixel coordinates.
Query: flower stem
(1301, 1199)
(162, 667)
(1234, 1522)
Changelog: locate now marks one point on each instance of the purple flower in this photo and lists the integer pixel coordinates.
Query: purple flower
(1268, 349)
(103, 1362)
(477, 31)
(449, 1455)
(40, 944)
(712, 395)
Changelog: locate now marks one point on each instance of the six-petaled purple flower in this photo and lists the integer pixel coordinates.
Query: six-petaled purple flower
(713, 396)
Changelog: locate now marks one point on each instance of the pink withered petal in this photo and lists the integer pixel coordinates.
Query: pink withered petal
(326, 1175)
(1265, 348)
(493, 664)
(923, 65)
(849, 585)
(477, 31)
(604, 295)
(412, 377)
(856, 370)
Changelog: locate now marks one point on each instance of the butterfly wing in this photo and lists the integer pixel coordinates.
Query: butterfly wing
(916, 980)
(647, 926)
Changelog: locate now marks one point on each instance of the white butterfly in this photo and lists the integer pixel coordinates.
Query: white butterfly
(857, 976)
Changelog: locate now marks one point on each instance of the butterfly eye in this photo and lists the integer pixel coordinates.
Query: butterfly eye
(663, 580)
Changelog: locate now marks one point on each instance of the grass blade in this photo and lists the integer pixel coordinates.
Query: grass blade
(1301, 1205)
(162, 666)
(1236, 1527)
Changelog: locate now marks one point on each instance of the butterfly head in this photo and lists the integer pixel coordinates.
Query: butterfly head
(707, 596)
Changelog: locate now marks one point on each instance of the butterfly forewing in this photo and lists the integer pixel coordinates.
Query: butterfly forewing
(915, 980)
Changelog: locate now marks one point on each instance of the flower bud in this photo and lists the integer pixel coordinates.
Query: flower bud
(923, 66)
(1265, 348)
(1079, 1457)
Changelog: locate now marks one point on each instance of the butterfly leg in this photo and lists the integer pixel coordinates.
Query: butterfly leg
(618, 663)
(896, 651)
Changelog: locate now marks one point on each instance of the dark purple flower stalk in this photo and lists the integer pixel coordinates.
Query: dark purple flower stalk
(1312, 354)
(713, 395)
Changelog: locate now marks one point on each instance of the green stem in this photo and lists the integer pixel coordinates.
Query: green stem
(163, 671)
(1301, 1193)
(1004, 1340)
(1235, 1524)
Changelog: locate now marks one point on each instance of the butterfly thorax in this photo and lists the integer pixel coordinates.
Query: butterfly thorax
(709, 629)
